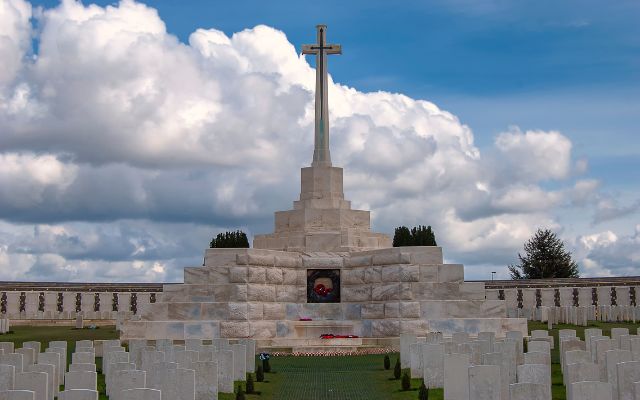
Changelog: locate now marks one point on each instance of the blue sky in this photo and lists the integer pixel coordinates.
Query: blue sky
(543, 130)
(572, 66)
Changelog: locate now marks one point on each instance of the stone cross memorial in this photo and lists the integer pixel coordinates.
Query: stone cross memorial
(323, 271)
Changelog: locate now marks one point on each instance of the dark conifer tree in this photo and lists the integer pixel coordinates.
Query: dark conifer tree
(544, 258)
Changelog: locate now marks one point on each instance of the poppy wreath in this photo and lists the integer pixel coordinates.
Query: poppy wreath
(319, 292)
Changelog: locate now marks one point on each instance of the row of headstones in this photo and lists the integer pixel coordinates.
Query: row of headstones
(188, 371)
(610, 364)
(28, 373)
(62, 315)
(577, 315)
(192, 371)
(5, 325)
(482, 367)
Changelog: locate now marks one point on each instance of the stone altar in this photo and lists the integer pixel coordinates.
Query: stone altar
(321, 271)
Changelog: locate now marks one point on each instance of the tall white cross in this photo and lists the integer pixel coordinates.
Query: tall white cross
(321, 153)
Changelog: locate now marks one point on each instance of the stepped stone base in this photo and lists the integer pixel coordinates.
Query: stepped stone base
(262, 294)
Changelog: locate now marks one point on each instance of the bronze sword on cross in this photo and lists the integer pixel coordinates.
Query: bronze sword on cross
(321, 153)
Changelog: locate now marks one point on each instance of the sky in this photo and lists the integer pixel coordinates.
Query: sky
(133, 132)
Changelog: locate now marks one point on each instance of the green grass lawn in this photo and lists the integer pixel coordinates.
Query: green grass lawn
(310, 378)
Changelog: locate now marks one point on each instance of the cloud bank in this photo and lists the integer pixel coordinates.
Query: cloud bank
(123, 150)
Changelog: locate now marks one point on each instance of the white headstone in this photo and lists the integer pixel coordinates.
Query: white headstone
(82, 367)
(206, 379)
(250, 344)
(239, 362)
(175, 384)
(578, 372)
(591, 390)
(50, 371)
(503, 363)
(17, 395)
(535, 373)
(81, 380)
(125, 380)
(225, 371)
(537, 357)
(36, 346)
(83, 358)
(628, 373)
(433, 365)
(34, 381)
(613, 357)
(528, 391)
(415, 354)
(140, 394)
(405, 341)
(79, 394)
(7, 376)
(15, 359)
(28, 356)
(484, 383)
(456, 376)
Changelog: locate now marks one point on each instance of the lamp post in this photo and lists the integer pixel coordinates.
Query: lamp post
(492, 274)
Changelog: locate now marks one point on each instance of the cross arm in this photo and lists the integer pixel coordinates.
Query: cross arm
(309, 49)
(333, 49)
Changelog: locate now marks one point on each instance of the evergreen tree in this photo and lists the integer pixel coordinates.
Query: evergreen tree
(250, 388)
(260, 374)
(397, 370)
(240, 393)
(423, 394)
(237, 239)
(406, 382)
(266, 366)
(545, 257)
(387, 362)
(417, 236)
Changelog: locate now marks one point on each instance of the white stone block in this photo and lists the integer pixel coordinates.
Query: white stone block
(405, 341)
(81, 380)
(239, 362)
(484, 383)
(36, 346)
(151, 357)
(456, 376)
(34, 381)
(504, 364)
(250, 345)
(7, 347)
(539, 346)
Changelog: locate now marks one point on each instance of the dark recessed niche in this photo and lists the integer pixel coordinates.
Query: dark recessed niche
(323, 286)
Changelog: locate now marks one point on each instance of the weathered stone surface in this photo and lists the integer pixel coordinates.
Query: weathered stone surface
(17, 395)
(229, 329)
(274, 311)
(34, 381)
(536, 373)
(627, 373)
(385, 328)
(373, 311)
(356, 293)
(237, 311)
(257, 275)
